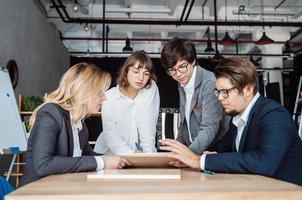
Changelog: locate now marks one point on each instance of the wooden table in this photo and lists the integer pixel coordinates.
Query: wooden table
(193, 185)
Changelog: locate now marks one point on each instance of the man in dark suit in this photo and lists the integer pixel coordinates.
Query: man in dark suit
(262, 138)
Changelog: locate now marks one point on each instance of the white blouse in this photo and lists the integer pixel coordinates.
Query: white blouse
(126, 121)
(77, 151)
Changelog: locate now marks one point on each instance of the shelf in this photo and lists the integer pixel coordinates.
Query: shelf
(13, 174)
(96, 114)
(26, 113)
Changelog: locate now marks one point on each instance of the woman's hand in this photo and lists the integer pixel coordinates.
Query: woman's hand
(115, 162)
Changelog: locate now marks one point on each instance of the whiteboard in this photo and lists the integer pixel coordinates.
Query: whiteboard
(12, 132)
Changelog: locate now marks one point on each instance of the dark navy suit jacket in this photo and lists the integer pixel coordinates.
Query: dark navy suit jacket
(269, 145)
(50, 146)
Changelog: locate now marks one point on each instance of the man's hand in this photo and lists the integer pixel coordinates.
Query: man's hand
(115, 162)
(181, 153)
(177, 163)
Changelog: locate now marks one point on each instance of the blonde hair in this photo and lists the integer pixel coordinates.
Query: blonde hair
(78, 84)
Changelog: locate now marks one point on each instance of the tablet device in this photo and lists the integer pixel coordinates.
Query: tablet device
(148, 159)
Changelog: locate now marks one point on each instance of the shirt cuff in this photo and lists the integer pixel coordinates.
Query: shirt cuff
(202, 161)
(100, 163)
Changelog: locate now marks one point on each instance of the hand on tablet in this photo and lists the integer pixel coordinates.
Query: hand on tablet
(181, 153)
(115, 162)
(177, 163)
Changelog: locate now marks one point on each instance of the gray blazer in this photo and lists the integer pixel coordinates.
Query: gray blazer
(208, 123)
(50, 146)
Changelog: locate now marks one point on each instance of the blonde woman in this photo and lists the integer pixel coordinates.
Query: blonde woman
(130, 114)
(58, 142)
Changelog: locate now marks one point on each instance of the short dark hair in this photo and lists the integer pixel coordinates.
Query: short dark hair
(144, 61)
(177, 49)
(241, 72)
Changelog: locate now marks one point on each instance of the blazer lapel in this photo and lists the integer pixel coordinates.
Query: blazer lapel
(82, 136)
(243, 136)
(249, 122)
(182, 103)
(69, 132)
(197, 87)
(234, 131)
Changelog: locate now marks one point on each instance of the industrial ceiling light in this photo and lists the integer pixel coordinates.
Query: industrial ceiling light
(209, 46)
(264, 40)
(209, 42)
(86, 27)
(227, 40)
(217, 57)
(127, 48)
(76, 6)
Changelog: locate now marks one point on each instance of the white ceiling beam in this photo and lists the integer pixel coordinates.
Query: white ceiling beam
(172, 6)
(297, 15)
(138, 10)
(266, 13)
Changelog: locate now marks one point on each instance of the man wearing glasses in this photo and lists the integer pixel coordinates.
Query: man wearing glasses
(201, 114)
(262, 138)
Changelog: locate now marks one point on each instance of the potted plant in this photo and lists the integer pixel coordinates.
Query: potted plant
(30, 103)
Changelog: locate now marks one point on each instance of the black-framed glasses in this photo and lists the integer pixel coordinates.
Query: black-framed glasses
(223, 92)
(180, 69)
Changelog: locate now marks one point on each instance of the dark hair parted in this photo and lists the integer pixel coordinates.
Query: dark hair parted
(175, 50)
(144, 61)
(241, 72)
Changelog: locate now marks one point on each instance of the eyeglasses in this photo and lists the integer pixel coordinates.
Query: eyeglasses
(223, 92)
(180, 69)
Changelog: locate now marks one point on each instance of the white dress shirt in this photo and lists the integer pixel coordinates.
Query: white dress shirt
(189, 91)
(240, 122)
(77, 152)
(127, 120)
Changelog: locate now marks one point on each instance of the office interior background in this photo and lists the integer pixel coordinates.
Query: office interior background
(41, 39)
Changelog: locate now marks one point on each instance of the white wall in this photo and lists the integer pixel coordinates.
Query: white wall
(34, 44)
(27, 37)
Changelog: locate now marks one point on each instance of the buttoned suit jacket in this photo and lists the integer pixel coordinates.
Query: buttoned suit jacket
(269, 145)
(50, 146)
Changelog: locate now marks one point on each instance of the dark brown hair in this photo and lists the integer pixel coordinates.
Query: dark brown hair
(241, 72)
(175, 50)
(144, 61)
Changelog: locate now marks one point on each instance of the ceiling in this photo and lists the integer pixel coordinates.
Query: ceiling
(149, 24)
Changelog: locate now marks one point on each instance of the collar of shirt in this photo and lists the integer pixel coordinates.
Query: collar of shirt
(119, 94)
(245, 116)
(189, 87)
(78, 125)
